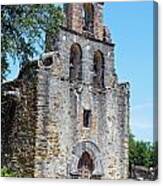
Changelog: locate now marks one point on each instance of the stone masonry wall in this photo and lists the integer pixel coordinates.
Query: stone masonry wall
(52, 97)
(98, 21)
(74, 19)
(60, 112)
(21, 139)
(47, 135)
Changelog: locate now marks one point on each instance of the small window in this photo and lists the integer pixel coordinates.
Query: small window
(87, 118)
(48, 61)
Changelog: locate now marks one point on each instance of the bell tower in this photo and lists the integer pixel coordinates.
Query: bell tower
(85, 18)
(73, 114)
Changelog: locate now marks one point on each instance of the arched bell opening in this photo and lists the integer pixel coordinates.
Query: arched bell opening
(88, 10)
(75, 71)
(99, 68)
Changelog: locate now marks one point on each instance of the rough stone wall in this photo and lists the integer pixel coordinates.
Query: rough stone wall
(73, 16)
(20, 136)
(8, 105)
(60, 113)
(116, 132)
(123, 105)
(52, 123)
(98, 21)
(74, 19)
(49, 138)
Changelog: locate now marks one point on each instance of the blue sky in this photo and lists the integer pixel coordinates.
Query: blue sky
(131, 28)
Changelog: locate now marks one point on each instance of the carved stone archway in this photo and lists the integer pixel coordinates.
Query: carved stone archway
(94, 152)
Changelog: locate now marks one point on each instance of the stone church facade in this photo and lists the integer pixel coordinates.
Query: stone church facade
(69, 115)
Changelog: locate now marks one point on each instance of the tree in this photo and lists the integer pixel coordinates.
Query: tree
(24, 28)
(132, 150)
(142, 153)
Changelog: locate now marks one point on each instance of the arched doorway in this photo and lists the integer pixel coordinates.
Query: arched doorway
(86, 161)
(85, 166)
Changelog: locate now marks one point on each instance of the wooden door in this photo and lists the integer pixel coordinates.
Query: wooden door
(85, 166)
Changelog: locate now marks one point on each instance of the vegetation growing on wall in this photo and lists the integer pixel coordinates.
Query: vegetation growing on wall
(6, 172)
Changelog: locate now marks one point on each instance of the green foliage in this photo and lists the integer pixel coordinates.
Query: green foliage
(23, 30)
(142, 153)
(6, 172)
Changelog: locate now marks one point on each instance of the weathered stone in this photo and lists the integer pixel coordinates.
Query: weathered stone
(46, 135)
